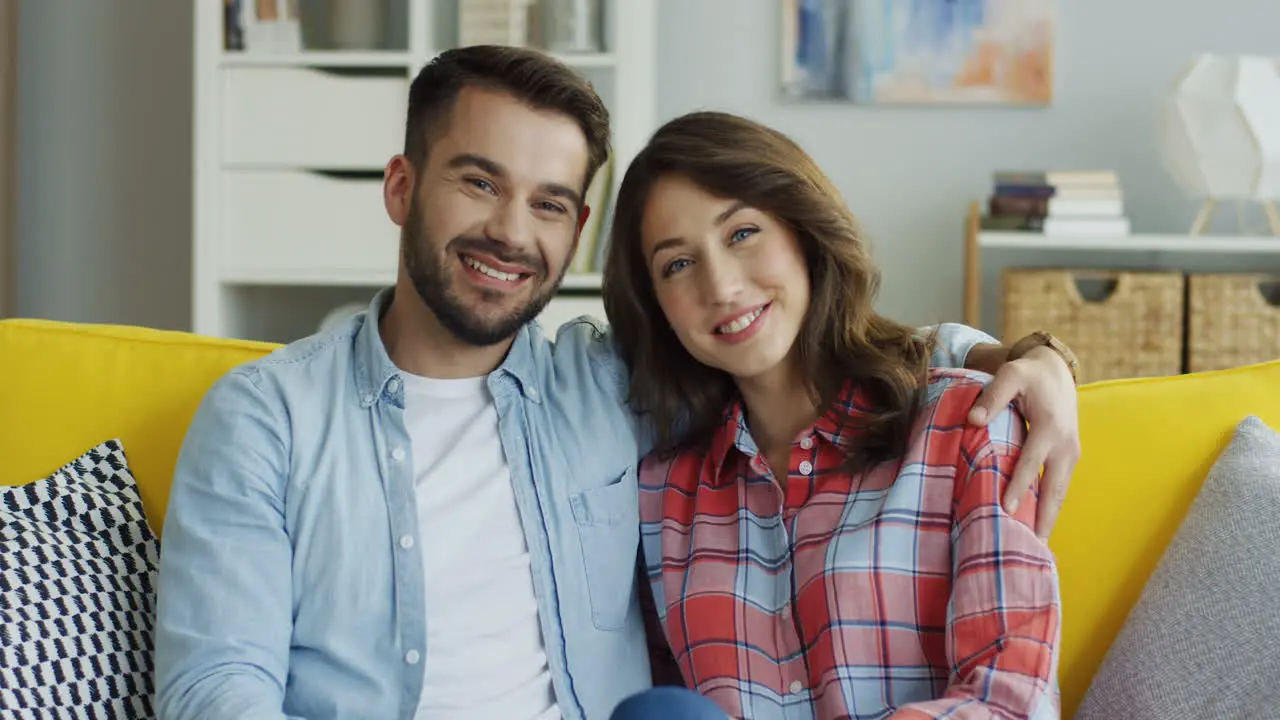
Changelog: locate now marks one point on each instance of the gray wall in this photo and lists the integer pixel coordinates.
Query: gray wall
(105, 126)
(104, 161)
(909, 174)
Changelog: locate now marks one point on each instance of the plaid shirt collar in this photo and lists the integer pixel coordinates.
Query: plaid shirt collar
(733, 435)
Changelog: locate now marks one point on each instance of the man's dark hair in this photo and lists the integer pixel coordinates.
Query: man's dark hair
(530, 76)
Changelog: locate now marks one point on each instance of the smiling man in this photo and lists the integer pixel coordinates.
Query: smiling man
(431, 511)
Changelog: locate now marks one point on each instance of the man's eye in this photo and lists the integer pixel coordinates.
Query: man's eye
(482, 184)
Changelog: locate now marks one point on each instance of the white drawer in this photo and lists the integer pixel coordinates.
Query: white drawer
(311, 118)
(564, 308)
(295, 226)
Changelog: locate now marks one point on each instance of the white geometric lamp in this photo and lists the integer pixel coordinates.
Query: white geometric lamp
(1219, 133)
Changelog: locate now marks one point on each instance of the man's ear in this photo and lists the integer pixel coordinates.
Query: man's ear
(398, 188)
(582, 217)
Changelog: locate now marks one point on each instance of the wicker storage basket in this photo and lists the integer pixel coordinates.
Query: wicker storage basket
(1135, 332)
(1231, 322)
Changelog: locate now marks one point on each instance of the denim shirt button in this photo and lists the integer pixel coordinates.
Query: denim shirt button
(406, 541)
(412, 657)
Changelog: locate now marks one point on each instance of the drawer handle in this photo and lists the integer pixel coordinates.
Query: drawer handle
(365, 71)
(353, 175)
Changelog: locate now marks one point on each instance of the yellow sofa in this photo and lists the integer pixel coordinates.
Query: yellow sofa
(1148, 445)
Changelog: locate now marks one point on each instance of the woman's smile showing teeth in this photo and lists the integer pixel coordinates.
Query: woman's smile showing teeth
(743, 326)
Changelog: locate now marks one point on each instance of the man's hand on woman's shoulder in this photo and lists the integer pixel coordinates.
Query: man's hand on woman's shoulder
(1042, 385)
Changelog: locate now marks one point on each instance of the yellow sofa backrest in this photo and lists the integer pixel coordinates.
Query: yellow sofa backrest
(1148, 445)
(66, 387)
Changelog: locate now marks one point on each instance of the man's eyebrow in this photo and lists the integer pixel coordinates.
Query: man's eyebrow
(479, 162)
(563, 192)
(486, 165)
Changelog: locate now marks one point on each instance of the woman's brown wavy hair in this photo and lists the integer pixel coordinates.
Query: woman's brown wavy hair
(842, 338)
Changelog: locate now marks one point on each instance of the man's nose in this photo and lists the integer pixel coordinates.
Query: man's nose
(509, 223)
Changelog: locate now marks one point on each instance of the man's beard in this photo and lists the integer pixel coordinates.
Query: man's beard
(427, 272)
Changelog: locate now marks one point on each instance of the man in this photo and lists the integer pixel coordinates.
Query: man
(426, 513)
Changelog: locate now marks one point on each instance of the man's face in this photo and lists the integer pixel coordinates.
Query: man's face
(494, 216)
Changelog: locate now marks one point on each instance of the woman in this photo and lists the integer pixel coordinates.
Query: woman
(827, 539)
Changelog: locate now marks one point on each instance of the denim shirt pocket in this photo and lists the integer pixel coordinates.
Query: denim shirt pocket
(608, 524)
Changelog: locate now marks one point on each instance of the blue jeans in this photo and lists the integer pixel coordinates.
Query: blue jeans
(667, 703)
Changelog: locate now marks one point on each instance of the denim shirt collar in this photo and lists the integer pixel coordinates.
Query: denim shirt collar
(377, 375)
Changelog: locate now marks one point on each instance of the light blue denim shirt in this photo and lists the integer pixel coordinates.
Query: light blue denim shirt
(291, 583)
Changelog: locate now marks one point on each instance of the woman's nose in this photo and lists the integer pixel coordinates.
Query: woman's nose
(722, 282)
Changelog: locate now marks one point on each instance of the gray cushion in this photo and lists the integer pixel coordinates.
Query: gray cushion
(1203, 641)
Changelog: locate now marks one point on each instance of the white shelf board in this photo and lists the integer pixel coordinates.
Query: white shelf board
(376, 59)
(276, 276)
(359, 278)
(1236, 244)
(581, 281)
(586, 60)
(318, 58)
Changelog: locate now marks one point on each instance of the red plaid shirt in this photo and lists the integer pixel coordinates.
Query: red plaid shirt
(908, 592)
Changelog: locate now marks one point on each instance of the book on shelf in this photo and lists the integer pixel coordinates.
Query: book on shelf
(588, 258)
(1057, 202)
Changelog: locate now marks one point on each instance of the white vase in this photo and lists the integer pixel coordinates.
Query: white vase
(572, 26)
(1219, 129)
(357, 24)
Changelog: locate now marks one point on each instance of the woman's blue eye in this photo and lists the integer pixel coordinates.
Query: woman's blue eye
(743, 233)
(673, 266)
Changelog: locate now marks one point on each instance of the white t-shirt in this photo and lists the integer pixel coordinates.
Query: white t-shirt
(485, 656)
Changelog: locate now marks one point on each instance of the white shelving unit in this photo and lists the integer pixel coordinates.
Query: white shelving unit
(288, 220)
(1202, 244)
(1188, 253)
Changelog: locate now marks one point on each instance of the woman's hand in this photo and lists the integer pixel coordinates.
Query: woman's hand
(1041, 385)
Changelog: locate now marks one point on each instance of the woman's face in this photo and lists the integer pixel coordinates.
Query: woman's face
(731, 280)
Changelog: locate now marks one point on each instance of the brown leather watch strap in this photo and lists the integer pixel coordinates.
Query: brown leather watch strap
(1043, 338)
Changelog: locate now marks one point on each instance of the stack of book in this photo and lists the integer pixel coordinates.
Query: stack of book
(1068, 202)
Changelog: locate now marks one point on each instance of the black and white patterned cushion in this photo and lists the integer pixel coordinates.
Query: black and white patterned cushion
(77, 593)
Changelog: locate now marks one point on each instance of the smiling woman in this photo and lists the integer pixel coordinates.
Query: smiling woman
(8, 147)
(828, 501)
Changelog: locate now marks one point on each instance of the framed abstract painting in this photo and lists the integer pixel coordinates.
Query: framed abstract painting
(919, 52)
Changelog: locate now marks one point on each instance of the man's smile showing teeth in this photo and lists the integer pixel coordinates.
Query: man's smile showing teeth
(491, 272)
(741, 323)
